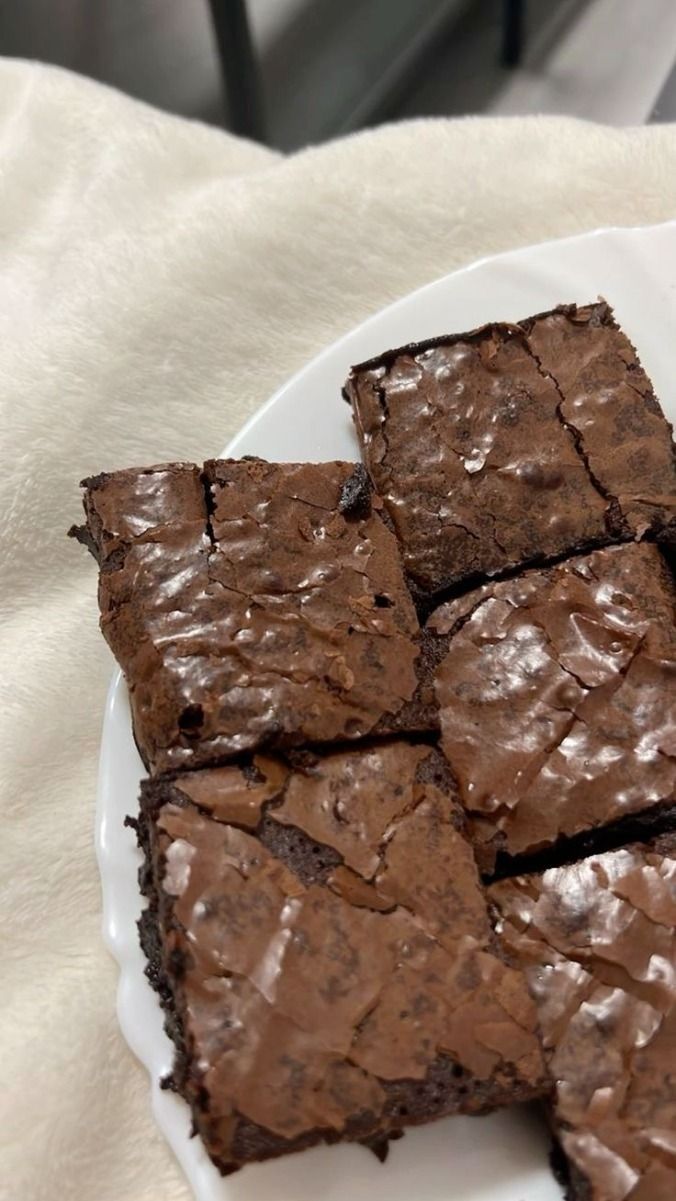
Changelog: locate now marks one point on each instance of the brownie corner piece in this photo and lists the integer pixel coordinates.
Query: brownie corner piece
(557, 705)
(129, 504)
(319, 986)
(589, 936)
(251, 604)
(514, 444)
(610, 406)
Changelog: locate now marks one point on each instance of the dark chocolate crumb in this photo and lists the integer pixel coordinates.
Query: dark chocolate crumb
(303, 760)
(191, 720)
(252, 774)
(381, 1146)
(355, 495)
(82, 534)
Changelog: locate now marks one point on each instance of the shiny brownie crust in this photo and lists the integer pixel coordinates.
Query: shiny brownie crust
(395, 969)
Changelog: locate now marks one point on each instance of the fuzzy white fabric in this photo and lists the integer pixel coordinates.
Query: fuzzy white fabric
(159, 280)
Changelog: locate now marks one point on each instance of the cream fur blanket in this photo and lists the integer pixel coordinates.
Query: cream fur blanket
(159, 280)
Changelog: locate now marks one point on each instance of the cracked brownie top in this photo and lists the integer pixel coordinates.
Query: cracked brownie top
(251, 604)
(598, 944)
(330, 959)
(513, 444)
(557, 699)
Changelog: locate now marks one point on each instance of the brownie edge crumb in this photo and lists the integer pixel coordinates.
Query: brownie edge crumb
(355, 495)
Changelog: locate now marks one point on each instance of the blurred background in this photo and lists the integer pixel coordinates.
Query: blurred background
(293, 72)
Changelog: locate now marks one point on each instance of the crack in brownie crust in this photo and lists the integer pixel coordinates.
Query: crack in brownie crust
(514, 444)
(323, 997)
(598, 945)
(596, 370)
(616, 526)
(557, 700)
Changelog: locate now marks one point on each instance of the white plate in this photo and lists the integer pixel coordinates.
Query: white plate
(503, 1157)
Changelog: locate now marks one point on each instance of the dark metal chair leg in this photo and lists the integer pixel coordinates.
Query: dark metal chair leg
(512, 32)
(241, 76)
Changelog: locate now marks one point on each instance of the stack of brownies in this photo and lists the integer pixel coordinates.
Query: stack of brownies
(410, 730)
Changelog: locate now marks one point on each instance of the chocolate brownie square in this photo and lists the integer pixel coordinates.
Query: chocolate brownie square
(514, 444)
(321, 942)
(252, 604)
(598, 945)
(557, 704)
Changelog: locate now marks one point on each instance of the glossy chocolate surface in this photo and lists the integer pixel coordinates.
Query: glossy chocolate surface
(337, 949)
(557, 698)
(257, 604)
(608, 403)
(598, 943)
(514, 443)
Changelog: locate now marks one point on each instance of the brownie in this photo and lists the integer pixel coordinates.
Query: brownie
(514, 444)
(598, 945)
(321, 942)
(252, 604)
(557, 701)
